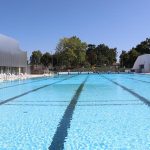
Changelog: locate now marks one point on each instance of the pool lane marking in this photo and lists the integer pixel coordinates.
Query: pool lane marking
(146, 76)
(34, 90)
(62, 129)
(98, 101)
(5, 87)
(139, 80)
(61, 105)
(143, 99)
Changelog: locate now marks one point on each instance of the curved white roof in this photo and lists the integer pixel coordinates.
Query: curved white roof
(142, 60)
(8, 44)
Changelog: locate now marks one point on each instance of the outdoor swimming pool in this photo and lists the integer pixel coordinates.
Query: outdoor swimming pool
(76, 112)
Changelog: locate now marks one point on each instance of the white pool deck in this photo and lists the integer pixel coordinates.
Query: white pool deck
(22, 76)
(29, 76)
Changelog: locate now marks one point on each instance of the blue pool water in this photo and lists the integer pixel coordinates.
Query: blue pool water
(76, 112)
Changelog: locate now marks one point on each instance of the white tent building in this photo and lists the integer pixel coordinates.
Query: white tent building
(142, 64)
(12, 58)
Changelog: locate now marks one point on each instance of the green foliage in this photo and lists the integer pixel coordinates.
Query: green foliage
(124, 57)
(101, 55)
(71, 52)
(35, 58)
(143, 47)
(127, 59)
(46, 59)
(91, 54)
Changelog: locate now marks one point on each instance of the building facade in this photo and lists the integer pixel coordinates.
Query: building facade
(12, 59)
(142, 64)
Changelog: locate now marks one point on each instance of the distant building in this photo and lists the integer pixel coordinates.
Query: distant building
(142, 64)
(12, 58)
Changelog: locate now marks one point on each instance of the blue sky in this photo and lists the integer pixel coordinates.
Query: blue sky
(39, 24)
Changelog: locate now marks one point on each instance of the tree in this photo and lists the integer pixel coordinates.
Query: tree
(127, 59)
(101, 54)
(91, 54)
(55, 60)
(35, 58)
(46, 59)
(105, 55)
(143, 47)
(124, 58)
(71, 52)
(133, 54)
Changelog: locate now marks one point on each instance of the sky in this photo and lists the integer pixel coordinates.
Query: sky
(40, 24)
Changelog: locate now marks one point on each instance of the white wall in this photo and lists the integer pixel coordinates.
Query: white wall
(142, 60)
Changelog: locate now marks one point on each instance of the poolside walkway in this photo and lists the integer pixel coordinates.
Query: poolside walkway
(9, 77)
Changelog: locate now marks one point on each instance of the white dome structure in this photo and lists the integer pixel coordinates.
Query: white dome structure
(142, 64)
(12, 58)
